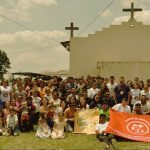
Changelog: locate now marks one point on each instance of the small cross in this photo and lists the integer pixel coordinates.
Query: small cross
(132, 10)
(71, 28)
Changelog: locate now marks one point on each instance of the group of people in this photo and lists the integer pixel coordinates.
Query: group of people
(52, 104)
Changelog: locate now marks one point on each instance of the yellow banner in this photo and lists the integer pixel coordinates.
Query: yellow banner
(85, 121)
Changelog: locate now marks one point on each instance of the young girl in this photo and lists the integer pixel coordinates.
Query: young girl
(43, 130)
(5, 112)
(59, 125)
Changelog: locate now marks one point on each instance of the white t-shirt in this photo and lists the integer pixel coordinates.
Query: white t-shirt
(5, 93)
(145, 93)
(111, 88)
(101, 127)
(135, 93)
(36, 102)
(11, 120)
(92, 92)
(120, 108)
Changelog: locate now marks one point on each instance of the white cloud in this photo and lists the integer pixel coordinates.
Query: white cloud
(35, 51)
(107, 13)
(127, 3)
(20, 9)
(27, 4)
(120, 19)
(143, 16)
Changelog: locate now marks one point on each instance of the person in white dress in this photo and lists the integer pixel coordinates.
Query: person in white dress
(59, 126)
(43, 130)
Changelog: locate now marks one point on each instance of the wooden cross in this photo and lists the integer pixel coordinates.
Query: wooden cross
(132, 10)
(71, 28)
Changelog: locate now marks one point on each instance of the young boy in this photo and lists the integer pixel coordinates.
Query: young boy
(12, 123)
(107, 139)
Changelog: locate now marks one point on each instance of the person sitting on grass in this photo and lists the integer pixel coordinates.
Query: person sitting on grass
(43, 130)
(59, 126)
(69, 115)
(25, 120)
(12, 123)
(51, 115)
(107, 139)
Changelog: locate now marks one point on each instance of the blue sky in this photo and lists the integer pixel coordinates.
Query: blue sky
(30, 30)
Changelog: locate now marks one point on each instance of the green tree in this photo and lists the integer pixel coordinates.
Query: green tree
(4, 62)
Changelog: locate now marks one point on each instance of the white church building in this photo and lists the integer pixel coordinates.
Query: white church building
(120, 50)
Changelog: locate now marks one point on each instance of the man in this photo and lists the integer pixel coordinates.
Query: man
(122, 91)
(111, 86)
(71, 85)
(105, 110)
(145, 105)
(138, 109)
(107, 139)
(111, 102)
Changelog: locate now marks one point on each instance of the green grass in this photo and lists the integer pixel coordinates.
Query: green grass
(28, 141)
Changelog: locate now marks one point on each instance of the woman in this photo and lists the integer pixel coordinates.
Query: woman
(5, 92)
(122, 107)
(95, 102)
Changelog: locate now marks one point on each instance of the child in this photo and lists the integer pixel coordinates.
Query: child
(51, 115)
(59, 125)
(12, 123)
(5, 112)
(25, 123)
(69, 114)
(43, 130)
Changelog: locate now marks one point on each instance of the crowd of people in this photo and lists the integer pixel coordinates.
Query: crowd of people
(52, 104)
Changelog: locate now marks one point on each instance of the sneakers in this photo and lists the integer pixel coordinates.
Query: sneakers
(15, 133)
(105, 146)
(114, 144)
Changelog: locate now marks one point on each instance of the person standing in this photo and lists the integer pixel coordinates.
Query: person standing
(5, 92)
(122, 90)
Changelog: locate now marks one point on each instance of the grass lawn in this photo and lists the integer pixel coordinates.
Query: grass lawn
(28, 141)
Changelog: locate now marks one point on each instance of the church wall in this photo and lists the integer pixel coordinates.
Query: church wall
(119, 43)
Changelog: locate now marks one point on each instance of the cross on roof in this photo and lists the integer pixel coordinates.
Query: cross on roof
(71, 28)
(132, 10)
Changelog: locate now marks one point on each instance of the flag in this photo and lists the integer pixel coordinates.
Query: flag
(130, 126)
(66, 44)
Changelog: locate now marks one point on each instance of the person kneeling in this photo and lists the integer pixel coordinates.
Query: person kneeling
(107, 139)
(59, 126)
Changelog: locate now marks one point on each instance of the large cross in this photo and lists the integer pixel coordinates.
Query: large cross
(132, 10)
(71, 28)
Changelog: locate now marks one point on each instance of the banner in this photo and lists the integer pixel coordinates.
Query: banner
(130, 126)
(85, 121)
